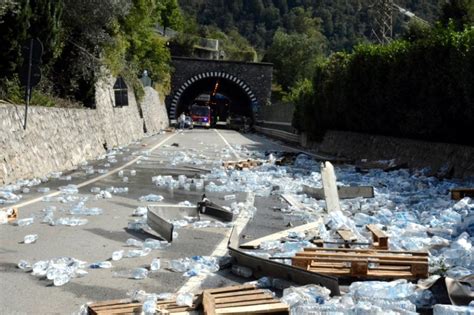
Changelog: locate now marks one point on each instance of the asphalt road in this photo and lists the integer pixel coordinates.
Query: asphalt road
(22, 293)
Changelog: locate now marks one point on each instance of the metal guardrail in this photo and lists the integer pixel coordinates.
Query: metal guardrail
(279, 134)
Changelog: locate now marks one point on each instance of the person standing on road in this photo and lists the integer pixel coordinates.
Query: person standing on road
(181, 120)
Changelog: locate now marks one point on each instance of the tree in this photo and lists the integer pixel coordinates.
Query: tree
(460, 12)
(294, 56)
(170, 15)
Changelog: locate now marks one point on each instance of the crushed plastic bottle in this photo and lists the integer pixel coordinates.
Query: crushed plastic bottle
(101, 265)
(43, 190)
(184, 299)
(155, 264)
(229, 197)
(242, 271)
(117, 255)
(25, 222)
(155, 244)
(31, 238)
(442, 309)
(71, 221)
(140, 212)
(138, 253)
(134, 243)
(151, 198)
(137, 274)
(24, 265)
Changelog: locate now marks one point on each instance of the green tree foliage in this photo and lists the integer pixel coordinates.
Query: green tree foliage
(294, 56)
(344, 23)
(80, 37)
(421, 89)
(459, 12)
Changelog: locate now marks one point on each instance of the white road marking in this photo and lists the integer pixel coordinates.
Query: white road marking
(237, 156)
(93, 180)
(194, 283)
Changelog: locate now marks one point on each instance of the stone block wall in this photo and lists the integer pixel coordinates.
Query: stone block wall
(417, 154)
(57, 139)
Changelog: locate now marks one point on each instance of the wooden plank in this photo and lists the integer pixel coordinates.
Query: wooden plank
(255, 309)
(347, 235)
(256, 302)
(344, 192)
(304, 255)
(367, 250)
(242, 298)
(276, 236)
(379, 237)
(330, 188)
(208, 303)
(234, 288)
(459, 193)
(238, 293)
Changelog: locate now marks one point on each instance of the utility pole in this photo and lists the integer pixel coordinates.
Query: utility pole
(383, 28)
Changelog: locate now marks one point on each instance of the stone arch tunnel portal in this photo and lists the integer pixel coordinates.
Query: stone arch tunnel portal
(226, 95)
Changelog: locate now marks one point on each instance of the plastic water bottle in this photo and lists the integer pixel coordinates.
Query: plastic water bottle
(30, 238)
(101, 265)
(155, 244)
(137, 274)
(24, 265)
(95, 190)
(242, 271)
(134, 243)
(120, 173)
(229, 197)
(133, 173)
(43, 190)
(61, 279)
(125, 179)
(25, 222)
(117, 255)
(184, 299)
(155, 264)
(138, 252)
(149, 306)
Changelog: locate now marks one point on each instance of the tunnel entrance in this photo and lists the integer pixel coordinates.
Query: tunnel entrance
(228, 99)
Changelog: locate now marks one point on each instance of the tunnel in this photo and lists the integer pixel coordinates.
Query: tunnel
(227, 97)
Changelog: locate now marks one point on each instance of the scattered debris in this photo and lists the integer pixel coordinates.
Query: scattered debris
(212, 209)
(240, 165)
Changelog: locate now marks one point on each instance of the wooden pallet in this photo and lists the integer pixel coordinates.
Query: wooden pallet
(240, 165)
(241, 299)
(344, 262)
(459, 193)
(127, 306)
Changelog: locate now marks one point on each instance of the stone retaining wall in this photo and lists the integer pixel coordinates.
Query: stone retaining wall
(57, 139)
(415, 153)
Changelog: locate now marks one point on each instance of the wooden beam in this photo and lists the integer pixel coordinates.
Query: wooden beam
(344, 192)
(330, 188)
(459, 193)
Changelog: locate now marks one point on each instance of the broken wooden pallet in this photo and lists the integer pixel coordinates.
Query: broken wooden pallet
(459, 193)
(240, 165)
(241, 299)
(127, 306)
(363, 263)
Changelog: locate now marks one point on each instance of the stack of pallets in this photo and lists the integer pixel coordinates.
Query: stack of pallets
(363, 263)
(241, 299)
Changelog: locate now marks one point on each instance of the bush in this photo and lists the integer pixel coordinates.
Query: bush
(422, 89)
